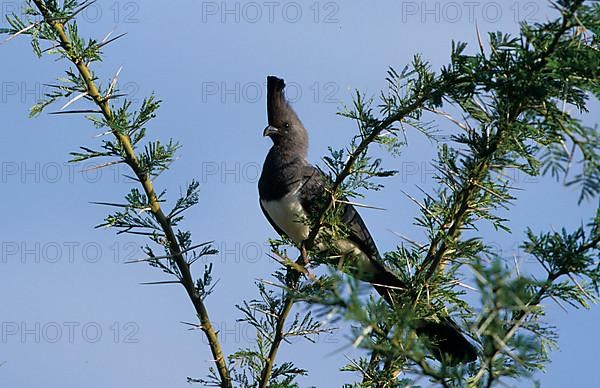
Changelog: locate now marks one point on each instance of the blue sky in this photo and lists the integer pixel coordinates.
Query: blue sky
(74, 315)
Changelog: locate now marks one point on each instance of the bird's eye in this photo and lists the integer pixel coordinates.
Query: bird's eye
(286, 125)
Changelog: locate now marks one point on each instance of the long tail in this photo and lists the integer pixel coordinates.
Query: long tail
(448, 343)
(445, 338)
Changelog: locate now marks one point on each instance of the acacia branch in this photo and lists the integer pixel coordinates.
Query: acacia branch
(439, 244)
(518, 320)
(293, 275)
(279, 335)
(520, 316)
(132, 161)
(357, 153)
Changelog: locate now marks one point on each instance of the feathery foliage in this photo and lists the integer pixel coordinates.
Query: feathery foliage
(518, 99)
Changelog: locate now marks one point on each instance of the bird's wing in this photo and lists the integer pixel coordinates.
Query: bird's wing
(446, 339)
(312, 195)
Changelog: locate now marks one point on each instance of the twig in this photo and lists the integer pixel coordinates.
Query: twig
(279, 328)
(439, 245)
(131, 160)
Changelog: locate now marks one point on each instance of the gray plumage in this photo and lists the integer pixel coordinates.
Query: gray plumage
(292, 192)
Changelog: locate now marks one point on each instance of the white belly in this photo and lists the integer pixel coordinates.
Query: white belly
(289, 215)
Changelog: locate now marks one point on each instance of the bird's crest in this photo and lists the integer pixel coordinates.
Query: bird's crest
(276, 102)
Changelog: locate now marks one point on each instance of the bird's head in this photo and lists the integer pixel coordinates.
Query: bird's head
(285, 128)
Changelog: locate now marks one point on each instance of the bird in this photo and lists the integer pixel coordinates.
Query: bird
(292, 193)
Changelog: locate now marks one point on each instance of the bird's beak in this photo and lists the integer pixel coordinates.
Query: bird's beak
(270, 130)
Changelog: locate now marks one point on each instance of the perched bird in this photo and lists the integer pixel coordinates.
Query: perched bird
(291, 193)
